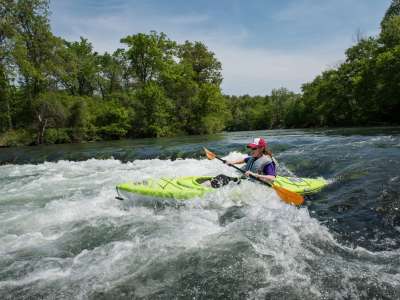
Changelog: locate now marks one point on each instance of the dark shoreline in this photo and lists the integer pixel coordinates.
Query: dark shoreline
(172, 148)
(383, 126)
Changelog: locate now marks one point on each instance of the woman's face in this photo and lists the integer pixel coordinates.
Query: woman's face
(255, 152)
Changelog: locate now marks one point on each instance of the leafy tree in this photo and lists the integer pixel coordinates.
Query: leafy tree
(280, 99)
(206, 68)
(249, 113)
(363, 89)
(49, 111)
(149, 55)
(393, 10)
(211, 110)
(111, 73)
(153, 112)
(184, 92)
(7, 71)
(33, 51)
(78, 118)
(390, 34)
(192, 82)
(79, 67)
(387, 93)
(111, 120)
(34, 46)
(295, 112)
(365, 49)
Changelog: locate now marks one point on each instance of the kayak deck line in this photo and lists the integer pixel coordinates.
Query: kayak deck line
(168, 182)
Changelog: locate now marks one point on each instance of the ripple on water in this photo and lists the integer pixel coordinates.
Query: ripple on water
(64, 236)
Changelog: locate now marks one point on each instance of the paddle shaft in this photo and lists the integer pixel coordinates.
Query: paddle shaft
(242, 171)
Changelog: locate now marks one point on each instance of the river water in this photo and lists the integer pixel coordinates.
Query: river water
(63, 235)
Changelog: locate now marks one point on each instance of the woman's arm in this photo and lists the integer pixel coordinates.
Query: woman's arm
(265, 178)
(269, 173)
(235, 162)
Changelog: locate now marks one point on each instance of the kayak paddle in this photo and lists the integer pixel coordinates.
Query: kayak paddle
(286, 195)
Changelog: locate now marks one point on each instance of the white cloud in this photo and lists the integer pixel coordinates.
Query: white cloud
(258, 71)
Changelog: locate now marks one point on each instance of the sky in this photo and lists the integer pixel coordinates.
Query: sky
(262, 44)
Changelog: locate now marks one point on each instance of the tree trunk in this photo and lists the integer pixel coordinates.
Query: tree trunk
(41, 130)
(102, 89)
(10, 126)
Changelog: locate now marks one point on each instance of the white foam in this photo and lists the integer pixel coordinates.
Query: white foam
(42, 212)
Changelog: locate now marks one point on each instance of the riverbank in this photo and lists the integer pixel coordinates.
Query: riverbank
(26, 137)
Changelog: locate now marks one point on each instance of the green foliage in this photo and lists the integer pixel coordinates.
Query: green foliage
(111, 73)
(50, 111)
(34, 47)
(57, 136)
(79, 68)
(211, 110)
(153, 112)
(79, 119)
(364, 90)
(110, 119)
(17, 137)
(281, 100)
(393, 10)
(112, 131)
(204, 66)
(390, 34)
(6, 104)
(7, 70)
(148, 55)
(294, 112)
(387, 70)
(51, 106)
(249, 113)
(281, 109)
(184, 93)
(57, 91)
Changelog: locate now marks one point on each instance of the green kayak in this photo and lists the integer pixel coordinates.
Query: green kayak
(183, 188)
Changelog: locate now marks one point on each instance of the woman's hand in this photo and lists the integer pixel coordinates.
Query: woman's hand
(266, 178)
(229, 163)
(251, 174)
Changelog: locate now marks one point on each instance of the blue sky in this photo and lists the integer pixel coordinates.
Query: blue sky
(262, 44)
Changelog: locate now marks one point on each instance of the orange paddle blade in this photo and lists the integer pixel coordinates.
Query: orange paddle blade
(209, 154)
(289, 196)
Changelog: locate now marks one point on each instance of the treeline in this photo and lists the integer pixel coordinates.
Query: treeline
(363, 90)
(58, 91)
(281, 109)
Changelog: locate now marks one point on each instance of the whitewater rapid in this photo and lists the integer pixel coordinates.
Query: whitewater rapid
(64, 235)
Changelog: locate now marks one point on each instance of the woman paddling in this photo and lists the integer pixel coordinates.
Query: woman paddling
(259, 163)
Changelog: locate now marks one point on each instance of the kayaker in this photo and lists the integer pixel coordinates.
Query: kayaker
(260, 162)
